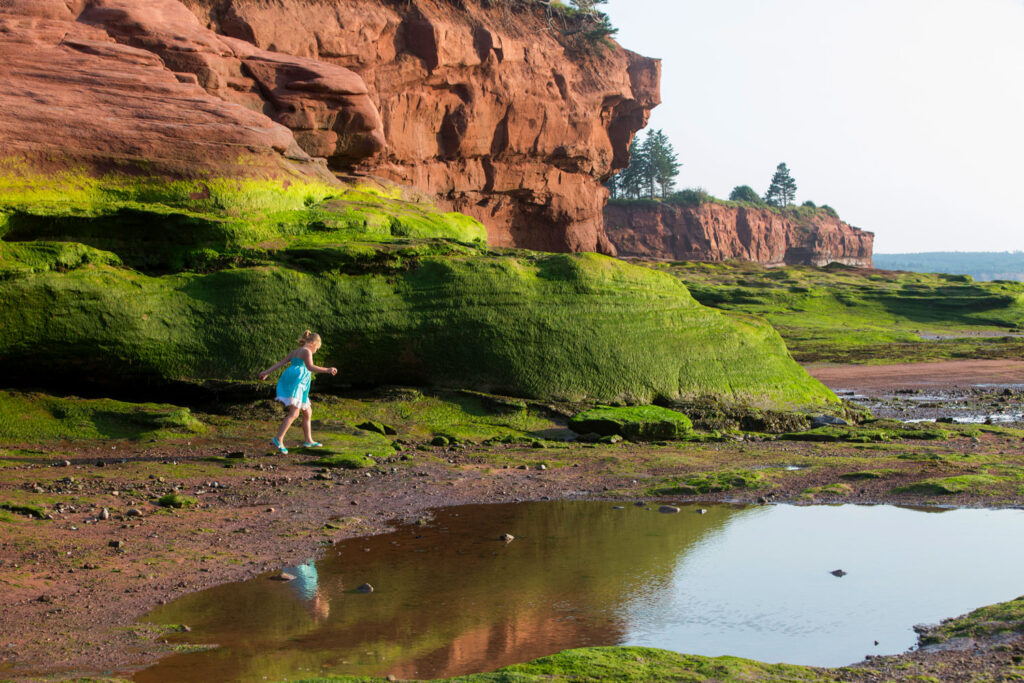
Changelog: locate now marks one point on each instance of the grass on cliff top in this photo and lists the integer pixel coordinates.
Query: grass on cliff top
(37, 418)
(629, 665)
(849, 315)
(567, 327)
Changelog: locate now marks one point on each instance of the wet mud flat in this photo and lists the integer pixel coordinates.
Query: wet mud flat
(75, 584)
(964, 392)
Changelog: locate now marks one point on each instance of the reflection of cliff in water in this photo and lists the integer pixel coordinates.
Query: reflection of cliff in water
(450, 598)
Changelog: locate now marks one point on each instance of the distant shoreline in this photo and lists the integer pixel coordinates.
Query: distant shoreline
(981, 265)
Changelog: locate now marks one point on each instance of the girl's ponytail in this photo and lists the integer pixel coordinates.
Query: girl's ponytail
(307, 337)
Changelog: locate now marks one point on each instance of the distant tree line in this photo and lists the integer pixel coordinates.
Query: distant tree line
(654, 167)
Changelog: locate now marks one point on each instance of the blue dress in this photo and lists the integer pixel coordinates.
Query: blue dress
(293, 387)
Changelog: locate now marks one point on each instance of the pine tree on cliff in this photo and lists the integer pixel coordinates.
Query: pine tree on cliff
(632, 178)
(782, 191)
(664, 162)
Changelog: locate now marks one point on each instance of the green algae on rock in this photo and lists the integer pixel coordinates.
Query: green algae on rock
(574, 327)
(638, 423)
(156, 282)
(630, 665)
(36, 418)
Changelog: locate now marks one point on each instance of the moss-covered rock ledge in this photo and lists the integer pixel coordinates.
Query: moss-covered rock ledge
(159, 283)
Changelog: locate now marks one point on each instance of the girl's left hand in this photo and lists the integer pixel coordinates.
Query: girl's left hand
(334, 371)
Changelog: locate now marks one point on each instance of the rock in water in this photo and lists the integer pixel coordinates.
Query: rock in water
(364, 588)
(283, 576)
(508, 538)
(838, 572)
(668, 509)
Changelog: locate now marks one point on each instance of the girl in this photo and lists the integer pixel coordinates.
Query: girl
(293, 388)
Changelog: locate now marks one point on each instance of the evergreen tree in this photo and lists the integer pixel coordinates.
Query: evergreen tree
(745, 193)
(664, 162)
(631, 179)
(653, 167)
(782, 191)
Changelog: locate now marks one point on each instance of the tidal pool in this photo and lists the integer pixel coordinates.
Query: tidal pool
(451, 598)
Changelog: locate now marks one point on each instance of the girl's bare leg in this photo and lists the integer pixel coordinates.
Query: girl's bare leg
(289, 417)
(307, 424)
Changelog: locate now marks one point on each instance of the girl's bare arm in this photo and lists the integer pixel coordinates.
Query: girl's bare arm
(307, 358)
(275, 366)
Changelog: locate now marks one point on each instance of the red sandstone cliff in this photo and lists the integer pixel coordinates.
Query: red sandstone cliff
(714, 232)
(479, 104)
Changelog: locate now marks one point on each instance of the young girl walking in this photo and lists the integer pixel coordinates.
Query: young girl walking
(293, 388)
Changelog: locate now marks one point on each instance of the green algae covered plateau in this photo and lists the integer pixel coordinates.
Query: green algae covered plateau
(848, 315)
(167, 284)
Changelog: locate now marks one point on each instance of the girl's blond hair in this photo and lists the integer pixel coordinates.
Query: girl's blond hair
(307, 337)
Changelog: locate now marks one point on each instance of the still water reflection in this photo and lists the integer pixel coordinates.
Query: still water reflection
(754, 582)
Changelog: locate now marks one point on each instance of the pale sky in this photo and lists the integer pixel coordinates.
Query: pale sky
(907, 116)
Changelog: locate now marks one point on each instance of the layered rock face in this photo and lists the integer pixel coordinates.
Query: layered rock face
(482, 108)
(713, 232)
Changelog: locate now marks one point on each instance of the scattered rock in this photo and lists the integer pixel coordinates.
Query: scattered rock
(364, 588)
(283, 576)
(508, 538)
(104, 513)
(828, 420)
(133, 512)
(668, 509)
(270, 510)
(701, 511)
(378, 427)
(440, 441)
(838, 572)
(542, 467)
(116, 544)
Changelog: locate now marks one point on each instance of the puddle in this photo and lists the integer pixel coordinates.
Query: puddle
(450, 598)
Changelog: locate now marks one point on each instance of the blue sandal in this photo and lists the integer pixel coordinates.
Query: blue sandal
(278, 446)
(312, 444)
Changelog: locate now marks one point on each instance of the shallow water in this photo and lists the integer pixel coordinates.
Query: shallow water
(754, 582)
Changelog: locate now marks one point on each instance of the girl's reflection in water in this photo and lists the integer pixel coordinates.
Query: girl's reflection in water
(307, 588)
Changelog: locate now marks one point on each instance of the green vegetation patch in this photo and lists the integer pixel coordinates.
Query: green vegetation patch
(714, 482)
(874, 432)
(36, 418)
(639, 423)
(345, 461)
(24, 509)
(984, 622)
(866, 475)
(177, 501)
(848, 315)
(633, 665)
(967, 483)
